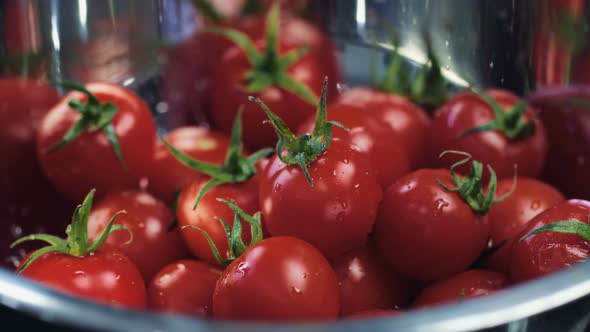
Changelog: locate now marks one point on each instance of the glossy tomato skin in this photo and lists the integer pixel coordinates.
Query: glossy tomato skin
(89, 161)
(467, 111)
(336, 214)
(380, 145)
(375, 313)
(209, 209)
(366, 282)
(168, 175)
(280, 278)
(153, 245)
(549, 252)
(408, 120)
(229, 94)
(472, 283)
(510, 216)
(436, 228)
(103, 276)
(184, 287)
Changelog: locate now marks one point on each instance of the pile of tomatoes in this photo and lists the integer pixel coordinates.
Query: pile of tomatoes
(367, 205)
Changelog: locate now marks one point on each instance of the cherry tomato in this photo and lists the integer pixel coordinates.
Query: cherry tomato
(375, 313)
(426, 232)
(366, 283)
(548, 252)
(465, 285)
(168, 174)
(102, 276)
(153, 244)
(510, 216)
(340, 208)
(184, 287)
(405, 118)
(467, 111)
(280, 278)
(89, 161)
(382, 146)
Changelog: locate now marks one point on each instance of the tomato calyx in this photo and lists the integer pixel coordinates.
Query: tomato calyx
(234, 234)
(470, 187)
(511, 123)
(571, 226)
(76, 242)
(237, 168)
(94, 116)
(269, 68)
(305, 149)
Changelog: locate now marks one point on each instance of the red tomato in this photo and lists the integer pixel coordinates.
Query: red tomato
(465, 285)
(209, 209)
(467, 111)
(168, 175)
(409, 121)
(382, 146)
(280, 278)
(544, 253)
(153, 245)
(510, 216)
(89, 161)
(336, 214)
(366, 283)
(102, 276)
(375, 313)
(184, 287)
(425, 232)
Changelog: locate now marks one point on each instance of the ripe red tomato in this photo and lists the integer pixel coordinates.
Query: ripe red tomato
(340, 208)
(102, 276)
(376, 313)
(548, 252)
(382, 146)
(426, 232)
(184, 287)
(280, 278)
(89, 161)
(153, 244)
(405, 118)
(510, 216)
(169, 175)
(465, 285)
(366, 283)
(467, 111)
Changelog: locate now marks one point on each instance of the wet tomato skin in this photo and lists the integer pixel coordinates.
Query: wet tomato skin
(103, 276)
(420, 219)
(472, 283)
(467, 111)
(375, 313)
(510, 216)
(184, 287)
(548, 252)
(303, 285)
(89, 161)
(336, 214)
(153, 245)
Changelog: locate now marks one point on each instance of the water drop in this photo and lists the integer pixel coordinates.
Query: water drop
(346, 161)
(334, 173)
(441, 204)
(492, 64)
(343, 203)
(243, 268)
(278, 187)
(296, 290)
(535, 205)
(356, 186)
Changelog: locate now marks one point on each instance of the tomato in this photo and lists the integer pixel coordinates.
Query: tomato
(340, 208)
(280, 278)
(426, 232)
(465, 285)
(153, 244)
(405, 118)
(169, 175)
(467, 111)
(105, 277)
(90, 160)
(380, 145)
(510, 216)
(376, 313)
(184, 287)
(545, 253)
(366, 283)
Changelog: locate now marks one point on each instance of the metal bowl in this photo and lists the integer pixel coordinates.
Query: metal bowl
(478, 42)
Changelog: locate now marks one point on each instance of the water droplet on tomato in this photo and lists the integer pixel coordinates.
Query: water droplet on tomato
(343, 203)
(296, 290)
(243, 268)
(356, 186)
(535, 205)
(346, 161)
(334, 173)
(278, 187)
(441, 204)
